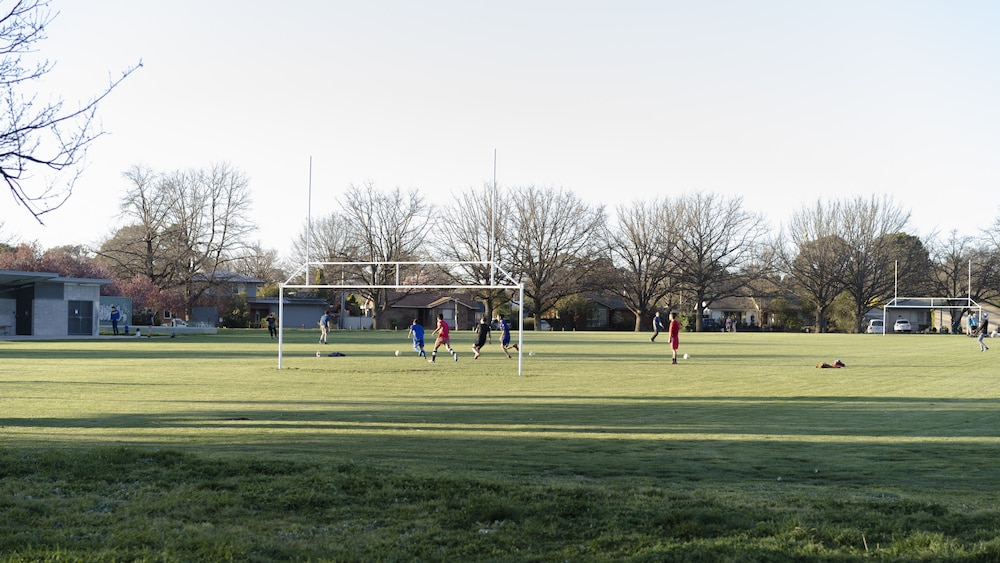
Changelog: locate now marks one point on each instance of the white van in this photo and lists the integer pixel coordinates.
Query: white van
(875, 326)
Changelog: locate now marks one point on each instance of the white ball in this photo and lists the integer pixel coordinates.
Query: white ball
(686, 356)
(398, 353)
(532, 353)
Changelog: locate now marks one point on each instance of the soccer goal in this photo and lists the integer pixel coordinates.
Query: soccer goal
(499, 279)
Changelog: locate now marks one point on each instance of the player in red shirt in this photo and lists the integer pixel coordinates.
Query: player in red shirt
(442, 332)
(675, 332)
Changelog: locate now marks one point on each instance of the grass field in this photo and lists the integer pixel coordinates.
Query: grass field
(199, 449)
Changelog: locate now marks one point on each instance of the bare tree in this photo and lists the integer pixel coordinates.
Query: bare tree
(552, 240)
(642, 242)
(717, 242)
(186, 227)
(386, 226)
(817, 261)
(138, 248)
(38, 137)
(473, 222)
(327, 239)
(952, 274)
(259, 262)
(867, 226)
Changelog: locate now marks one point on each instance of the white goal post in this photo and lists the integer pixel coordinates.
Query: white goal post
(949, 303)
(506, 282)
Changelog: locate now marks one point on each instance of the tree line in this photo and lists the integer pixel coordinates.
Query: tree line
(833, 261)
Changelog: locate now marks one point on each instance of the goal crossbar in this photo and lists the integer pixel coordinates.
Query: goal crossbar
(927, 303)
(303, 272)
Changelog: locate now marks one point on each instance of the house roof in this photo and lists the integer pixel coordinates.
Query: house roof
(289, 301)
(430, 300)
(15, 279)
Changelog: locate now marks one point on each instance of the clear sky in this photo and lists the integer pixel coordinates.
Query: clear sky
(780, 102)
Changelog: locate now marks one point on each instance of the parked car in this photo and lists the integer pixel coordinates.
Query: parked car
(876, 326)
(902, 325)
(544, 325)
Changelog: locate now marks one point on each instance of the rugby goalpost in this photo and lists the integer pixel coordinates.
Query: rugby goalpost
(507, 282)
(930, 303)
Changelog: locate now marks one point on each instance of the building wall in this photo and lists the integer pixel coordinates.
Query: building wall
(124, 305)
(50, 315)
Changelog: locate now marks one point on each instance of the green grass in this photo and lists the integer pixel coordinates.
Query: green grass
(199, 448)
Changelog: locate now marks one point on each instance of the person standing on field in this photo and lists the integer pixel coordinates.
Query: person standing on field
(675, 333)
(982, 330)
(657, 326)
(115, 317)
(272, 325)
(443, 338)
(324, 327)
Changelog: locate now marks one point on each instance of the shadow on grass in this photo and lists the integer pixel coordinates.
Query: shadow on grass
(897, 442)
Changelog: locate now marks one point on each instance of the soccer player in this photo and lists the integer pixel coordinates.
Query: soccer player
(657, 326)
(482, 333)
(675, 332)
(505, 335)
(324, 326)
(416, 332)
(443, 338)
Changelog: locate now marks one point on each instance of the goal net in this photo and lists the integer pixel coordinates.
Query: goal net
(399, 281)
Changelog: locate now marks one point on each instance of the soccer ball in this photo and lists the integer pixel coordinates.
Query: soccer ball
(686, 356)
(532, 353)
(398, 353)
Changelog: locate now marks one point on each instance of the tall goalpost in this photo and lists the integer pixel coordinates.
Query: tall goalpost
(506, 283)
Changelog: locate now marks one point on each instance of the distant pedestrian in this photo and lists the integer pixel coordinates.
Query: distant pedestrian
(115, 317)
(657, 326)
(149, 323)
(482, 334)
(982, 331)
(272, 325)
(675, 333)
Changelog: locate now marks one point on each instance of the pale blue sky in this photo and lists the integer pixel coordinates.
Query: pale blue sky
(780, 102)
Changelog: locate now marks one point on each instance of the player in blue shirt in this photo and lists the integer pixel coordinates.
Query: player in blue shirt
(505, 335)
(417, 334)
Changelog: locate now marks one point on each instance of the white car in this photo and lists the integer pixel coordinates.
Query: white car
(902, 325)
(875, 326)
